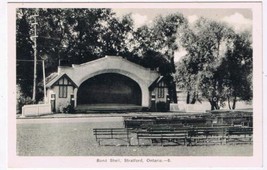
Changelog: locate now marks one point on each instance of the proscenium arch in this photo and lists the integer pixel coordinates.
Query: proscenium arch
(140, 82)
(109, 88)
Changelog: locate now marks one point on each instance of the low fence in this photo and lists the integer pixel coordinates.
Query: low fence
(36, 110)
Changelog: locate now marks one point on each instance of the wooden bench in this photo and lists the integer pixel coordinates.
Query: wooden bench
(112, 134)
(221, 135)
(166, 134)
(137, 123)
(206, 135)
(140, 122)
(163, 137)
(152, 127)
(239, 135)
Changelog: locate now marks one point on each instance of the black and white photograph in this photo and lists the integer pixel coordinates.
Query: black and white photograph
(136, 85)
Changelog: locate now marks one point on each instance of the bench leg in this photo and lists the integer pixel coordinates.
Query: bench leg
(189, 140)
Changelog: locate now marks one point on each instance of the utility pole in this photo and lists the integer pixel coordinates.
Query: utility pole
(34, 37)
(43, 63)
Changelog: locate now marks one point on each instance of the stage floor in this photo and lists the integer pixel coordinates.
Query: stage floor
(107, 107)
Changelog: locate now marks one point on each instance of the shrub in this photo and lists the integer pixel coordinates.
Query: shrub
(68, 109)
(162, 107)
(21, 101)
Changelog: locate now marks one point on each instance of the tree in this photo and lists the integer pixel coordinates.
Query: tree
(24, 53)
(204, 44)
(187, 81)
(166, 30)
(75, 36)
(237, 66)
(218, 64)
(156, 46)
(86, 41)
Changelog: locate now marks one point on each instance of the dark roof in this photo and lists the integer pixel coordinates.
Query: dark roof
(55, 79)
(51, 77)
(48, 79)
(156, 82)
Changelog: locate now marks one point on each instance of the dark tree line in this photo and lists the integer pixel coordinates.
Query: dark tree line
(25, 51)
(75, 36)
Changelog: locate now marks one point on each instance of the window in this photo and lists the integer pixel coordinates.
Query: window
(63, 91)
(53, 96)
(63, 88)
(161, 90)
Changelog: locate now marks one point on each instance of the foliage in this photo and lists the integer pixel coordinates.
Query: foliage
(22, 100)
(74, 36)
(162, 107)
(217, 67)
(156, 46)
(237, 67)
(68, 109)
(218, 64)
(24, 51)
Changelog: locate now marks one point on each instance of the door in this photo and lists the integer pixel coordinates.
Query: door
(53, 102)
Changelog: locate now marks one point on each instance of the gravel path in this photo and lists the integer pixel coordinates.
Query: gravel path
(74, 137)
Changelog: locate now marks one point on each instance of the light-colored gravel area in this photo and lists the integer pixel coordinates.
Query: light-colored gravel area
(74, 137)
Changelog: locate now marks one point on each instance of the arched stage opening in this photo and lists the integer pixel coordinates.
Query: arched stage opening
(112, 91)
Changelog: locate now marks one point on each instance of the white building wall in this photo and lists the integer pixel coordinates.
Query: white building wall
(36, 110)
(61, 102)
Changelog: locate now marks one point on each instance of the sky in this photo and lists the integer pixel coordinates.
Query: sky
(239, 19)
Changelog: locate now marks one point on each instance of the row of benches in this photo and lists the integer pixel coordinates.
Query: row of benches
(143, 122)
(197, 136)
(180, 136)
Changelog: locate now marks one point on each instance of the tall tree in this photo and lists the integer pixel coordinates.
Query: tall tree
(156, 46)
(24, 53)
(205, 44)
(81, 35)
(237, 69)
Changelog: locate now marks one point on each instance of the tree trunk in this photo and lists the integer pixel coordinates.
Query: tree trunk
(217, 105)
(214, 102)
(174, 94)
(218, 47)
(194, 98)
(229, 104)
(213, 106)
(234, 103)
(188, 98)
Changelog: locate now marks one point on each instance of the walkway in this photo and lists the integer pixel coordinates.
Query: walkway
(85, 115)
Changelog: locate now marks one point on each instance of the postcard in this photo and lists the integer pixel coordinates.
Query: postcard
(135, 85)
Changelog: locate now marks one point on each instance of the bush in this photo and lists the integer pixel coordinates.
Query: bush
(21, 101)
(162, 107)
(68, 109)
